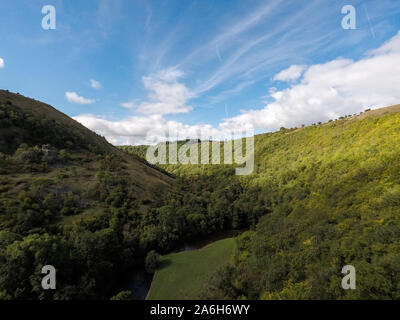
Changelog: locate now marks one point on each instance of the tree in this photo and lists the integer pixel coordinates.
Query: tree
(152, 261)
(124, 295)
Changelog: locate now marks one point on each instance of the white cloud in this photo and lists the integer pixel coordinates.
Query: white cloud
(145, 129)
(73, 97)
(2, 64)
(290, 74)
(168, 75)
(327, 91)
(95, 84)
(166, 94)
(129, 104)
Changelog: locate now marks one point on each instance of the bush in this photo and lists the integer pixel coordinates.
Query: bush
(63, 155)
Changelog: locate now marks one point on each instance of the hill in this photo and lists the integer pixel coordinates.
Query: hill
(320, 197)
(332, 195)
(30, 122)
(70, 199)
(33, 122)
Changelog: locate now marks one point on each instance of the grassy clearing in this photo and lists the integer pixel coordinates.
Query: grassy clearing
(182, 275)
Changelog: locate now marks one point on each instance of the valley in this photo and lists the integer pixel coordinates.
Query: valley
(320, 197)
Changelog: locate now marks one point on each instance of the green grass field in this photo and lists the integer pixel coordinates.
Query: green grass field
(182, 275)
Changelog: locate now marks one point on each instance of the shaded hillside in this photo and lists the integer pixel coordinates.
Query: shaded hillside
(28, 122)
(33, 122)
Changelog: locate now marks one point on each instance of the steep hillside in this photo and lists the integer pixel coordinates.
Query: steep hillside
(333, 196)
(31, 123)
(324, 196)
(34, 122)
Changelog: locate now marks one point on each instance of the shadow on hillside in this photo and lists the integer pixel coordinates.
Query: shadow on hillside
(164, 263)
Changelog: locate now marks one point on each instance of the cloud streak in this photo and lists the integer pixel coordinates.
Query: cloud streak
(249, 59)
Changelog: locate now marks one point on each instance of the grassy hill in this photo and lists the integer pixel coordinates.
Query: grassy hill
(320, 197)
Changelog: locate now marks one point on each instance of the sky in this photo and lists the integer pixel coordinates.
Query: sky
(140, 71)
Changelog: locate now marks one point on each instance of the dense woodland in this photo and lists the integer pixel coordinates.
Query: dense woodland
(80, 212)
(320, 197)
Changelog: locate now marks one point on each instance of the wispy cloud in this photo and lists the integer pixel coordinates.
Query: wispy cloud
(2, 64)
(149, 14)
(95, 84)
(226, 94)
(247, 60)
(108, 12)
(290, 74)
(232, 31)
(218, 53)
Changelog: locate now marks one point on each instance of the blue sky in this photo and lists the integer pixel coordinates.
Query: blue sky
(191, 65)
